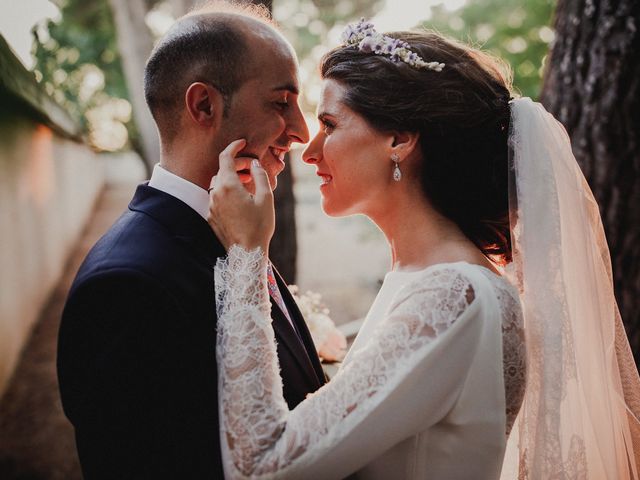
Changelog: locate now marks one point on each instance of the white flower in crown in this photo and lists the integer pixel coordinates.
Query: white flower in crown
(364, 36)
(330, 342)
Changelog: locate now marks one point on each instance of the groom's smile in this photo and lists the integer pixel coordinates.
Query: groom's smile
(243, 165)
(264, 110)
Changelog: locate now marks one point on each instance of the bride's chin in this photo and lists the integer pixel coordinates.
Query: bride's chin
(333, 210)
(326, 208)
(333, 214)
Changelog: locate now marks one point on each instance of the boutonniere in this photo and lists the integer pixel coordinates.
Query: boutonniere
(331, 344)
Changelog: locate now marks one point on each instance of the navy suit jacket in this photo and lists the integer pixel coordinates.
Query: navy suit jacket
(136, 349)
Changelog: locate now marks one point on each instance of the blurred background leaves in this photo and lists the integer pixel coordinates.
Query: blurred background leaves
(518, 31)
(78, 60)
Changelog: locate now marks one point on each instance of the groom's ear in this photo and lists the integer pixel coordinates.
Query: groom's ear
(403, 143)
(204, 104)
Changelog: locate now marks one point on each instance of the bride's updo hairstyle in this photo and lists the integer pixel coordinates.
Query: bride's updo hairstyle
(462, 115)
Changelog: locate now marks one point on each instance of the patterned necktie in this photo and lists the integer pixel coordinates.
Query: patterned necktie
(274, 291)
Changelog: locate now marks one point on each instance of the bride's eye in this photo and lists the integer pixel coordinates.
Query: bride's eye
(327, 127)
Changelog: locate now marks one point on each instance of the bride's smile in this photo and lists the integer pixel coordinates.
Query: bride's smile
(350, 156)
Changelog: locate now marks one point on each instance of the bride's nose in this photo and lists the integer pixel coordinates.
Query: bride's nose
(313, 152)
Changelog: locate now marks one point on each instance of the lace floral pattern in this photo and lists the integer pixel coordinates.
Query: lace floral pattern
(514, 350)
(260, 437)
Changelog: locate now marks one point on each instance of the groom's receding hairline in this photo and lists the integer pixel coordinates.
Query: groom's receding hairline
(208, 44)
(221, 8)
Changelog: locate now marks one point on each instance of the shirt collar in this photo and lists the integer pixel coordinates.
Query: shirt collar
(190, 193)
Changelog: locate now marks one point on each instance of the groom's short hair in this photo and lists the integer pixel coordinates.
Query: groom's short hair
(206, 45)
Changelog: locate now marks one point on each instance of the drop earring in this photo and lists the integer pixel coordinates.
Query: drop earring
(397, 174)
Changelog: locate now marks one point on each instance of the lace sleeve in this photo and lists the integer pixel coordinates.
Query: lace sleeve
(406, 378)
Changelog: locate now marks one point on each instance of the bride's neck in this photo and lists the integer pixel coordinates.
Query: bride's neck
(417, 234)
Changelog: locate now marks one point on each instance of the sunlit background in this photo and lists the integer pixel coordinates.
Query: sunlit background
(74, 48)
(71, 46)
(63, 181)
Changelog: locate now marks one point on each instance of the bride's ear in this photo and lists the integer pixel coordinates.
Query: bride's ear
(404, 143)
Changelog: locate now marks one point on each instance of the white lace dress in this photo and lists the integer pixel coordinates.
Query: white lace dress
(429, 390)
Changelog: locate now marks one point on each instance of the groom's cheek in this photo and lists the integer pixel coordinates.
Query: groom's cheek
(250, 187)
(272, 174)
(273, 181)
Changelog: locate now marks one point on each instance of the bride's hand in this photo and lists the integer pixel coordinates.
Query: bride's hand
(236, 216)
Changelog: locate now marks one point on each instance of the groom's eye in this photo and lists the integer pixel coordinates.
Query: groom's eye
(282, 104)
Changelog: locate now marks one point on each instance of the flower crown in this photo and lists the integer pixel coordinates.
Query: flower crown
(363, 35)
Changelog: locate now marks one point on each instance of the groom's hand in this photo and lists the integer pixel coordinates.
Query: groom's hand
(236, 216)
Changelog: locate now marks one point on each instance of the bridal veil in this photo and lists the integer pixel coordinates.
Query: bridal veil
(579, 418)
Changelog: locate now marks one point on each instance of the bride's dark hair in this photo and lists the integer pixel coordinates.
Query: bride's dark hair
(462, 115)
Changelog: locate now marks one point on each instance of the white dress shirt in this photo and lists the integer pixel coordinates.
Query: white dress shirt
(190, 193)
(198, 199)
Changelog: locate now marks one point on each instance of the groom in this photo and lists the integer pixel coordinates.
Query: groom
(136, 355)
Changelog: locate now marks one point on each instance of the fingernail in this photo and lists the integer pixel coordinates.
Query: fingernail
(255, 163)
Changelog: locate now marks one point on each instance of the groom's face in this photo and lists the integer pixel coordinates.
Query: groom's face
(265, 110)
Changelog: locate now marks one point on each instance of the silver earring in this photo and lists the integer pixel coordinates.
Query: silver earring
(397, 174)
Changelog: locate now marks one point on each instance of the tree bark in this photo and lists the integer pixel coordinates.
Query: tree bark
(592, 86)
(283, 250)
(135, 44)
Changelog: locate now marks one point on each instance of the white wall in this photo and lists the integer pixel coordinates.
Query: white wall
(48, 187)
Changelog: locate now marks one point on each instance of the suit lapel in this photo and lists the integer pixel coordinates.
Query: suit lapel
(287, 337)
(306, 347)
(189, 227)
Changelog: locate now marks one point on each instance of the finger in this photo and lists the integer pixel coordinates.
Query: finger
(243, 169)
(227, 169)
(212, 184)
(243, 163)
(261, 182)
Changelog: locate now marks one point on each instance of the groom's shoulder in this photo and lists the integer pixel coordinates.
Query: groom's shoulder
(131, 239)
(135, 243)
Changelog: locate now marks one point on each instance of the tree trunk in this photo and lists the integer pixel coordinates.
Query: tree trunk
(135, 44)
(592, 86)
(283, 250)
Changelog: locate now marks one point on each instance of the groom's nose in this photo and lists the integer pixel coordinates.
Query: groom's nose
(297, 129)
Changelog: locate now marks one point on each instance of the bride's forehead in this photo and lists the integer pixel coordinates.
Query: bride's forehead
(331, 95)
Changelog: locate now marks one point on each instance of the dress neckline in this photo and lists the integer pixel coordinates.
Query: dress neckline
(396, 275)
(436, 265)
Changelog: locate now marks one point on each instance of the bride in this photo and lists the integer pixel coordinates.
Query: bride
(451, 376)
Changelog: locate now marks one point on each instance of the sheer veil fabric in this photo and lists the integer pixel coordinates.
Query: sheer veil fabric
(579, 419)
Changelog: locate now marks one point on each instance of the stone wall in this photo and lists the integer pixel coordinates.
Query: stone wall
(49, 182)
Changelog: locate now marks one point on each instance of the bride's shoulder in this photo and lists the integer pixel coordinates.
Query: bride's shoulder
(446, 278)
(445, 291)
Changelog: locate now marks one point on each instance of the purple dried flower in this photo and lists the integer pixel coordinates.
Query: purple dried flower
(364, 36)
(367, 44)
(387, 48)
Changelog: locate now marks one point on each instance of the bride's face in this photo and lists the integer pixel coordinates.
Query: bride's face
(351, 157)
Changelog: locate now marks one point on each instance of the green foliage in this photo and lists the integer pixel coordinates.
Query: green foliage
(308, 21)
(82, 46)
(78, 60)
(516, 30)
